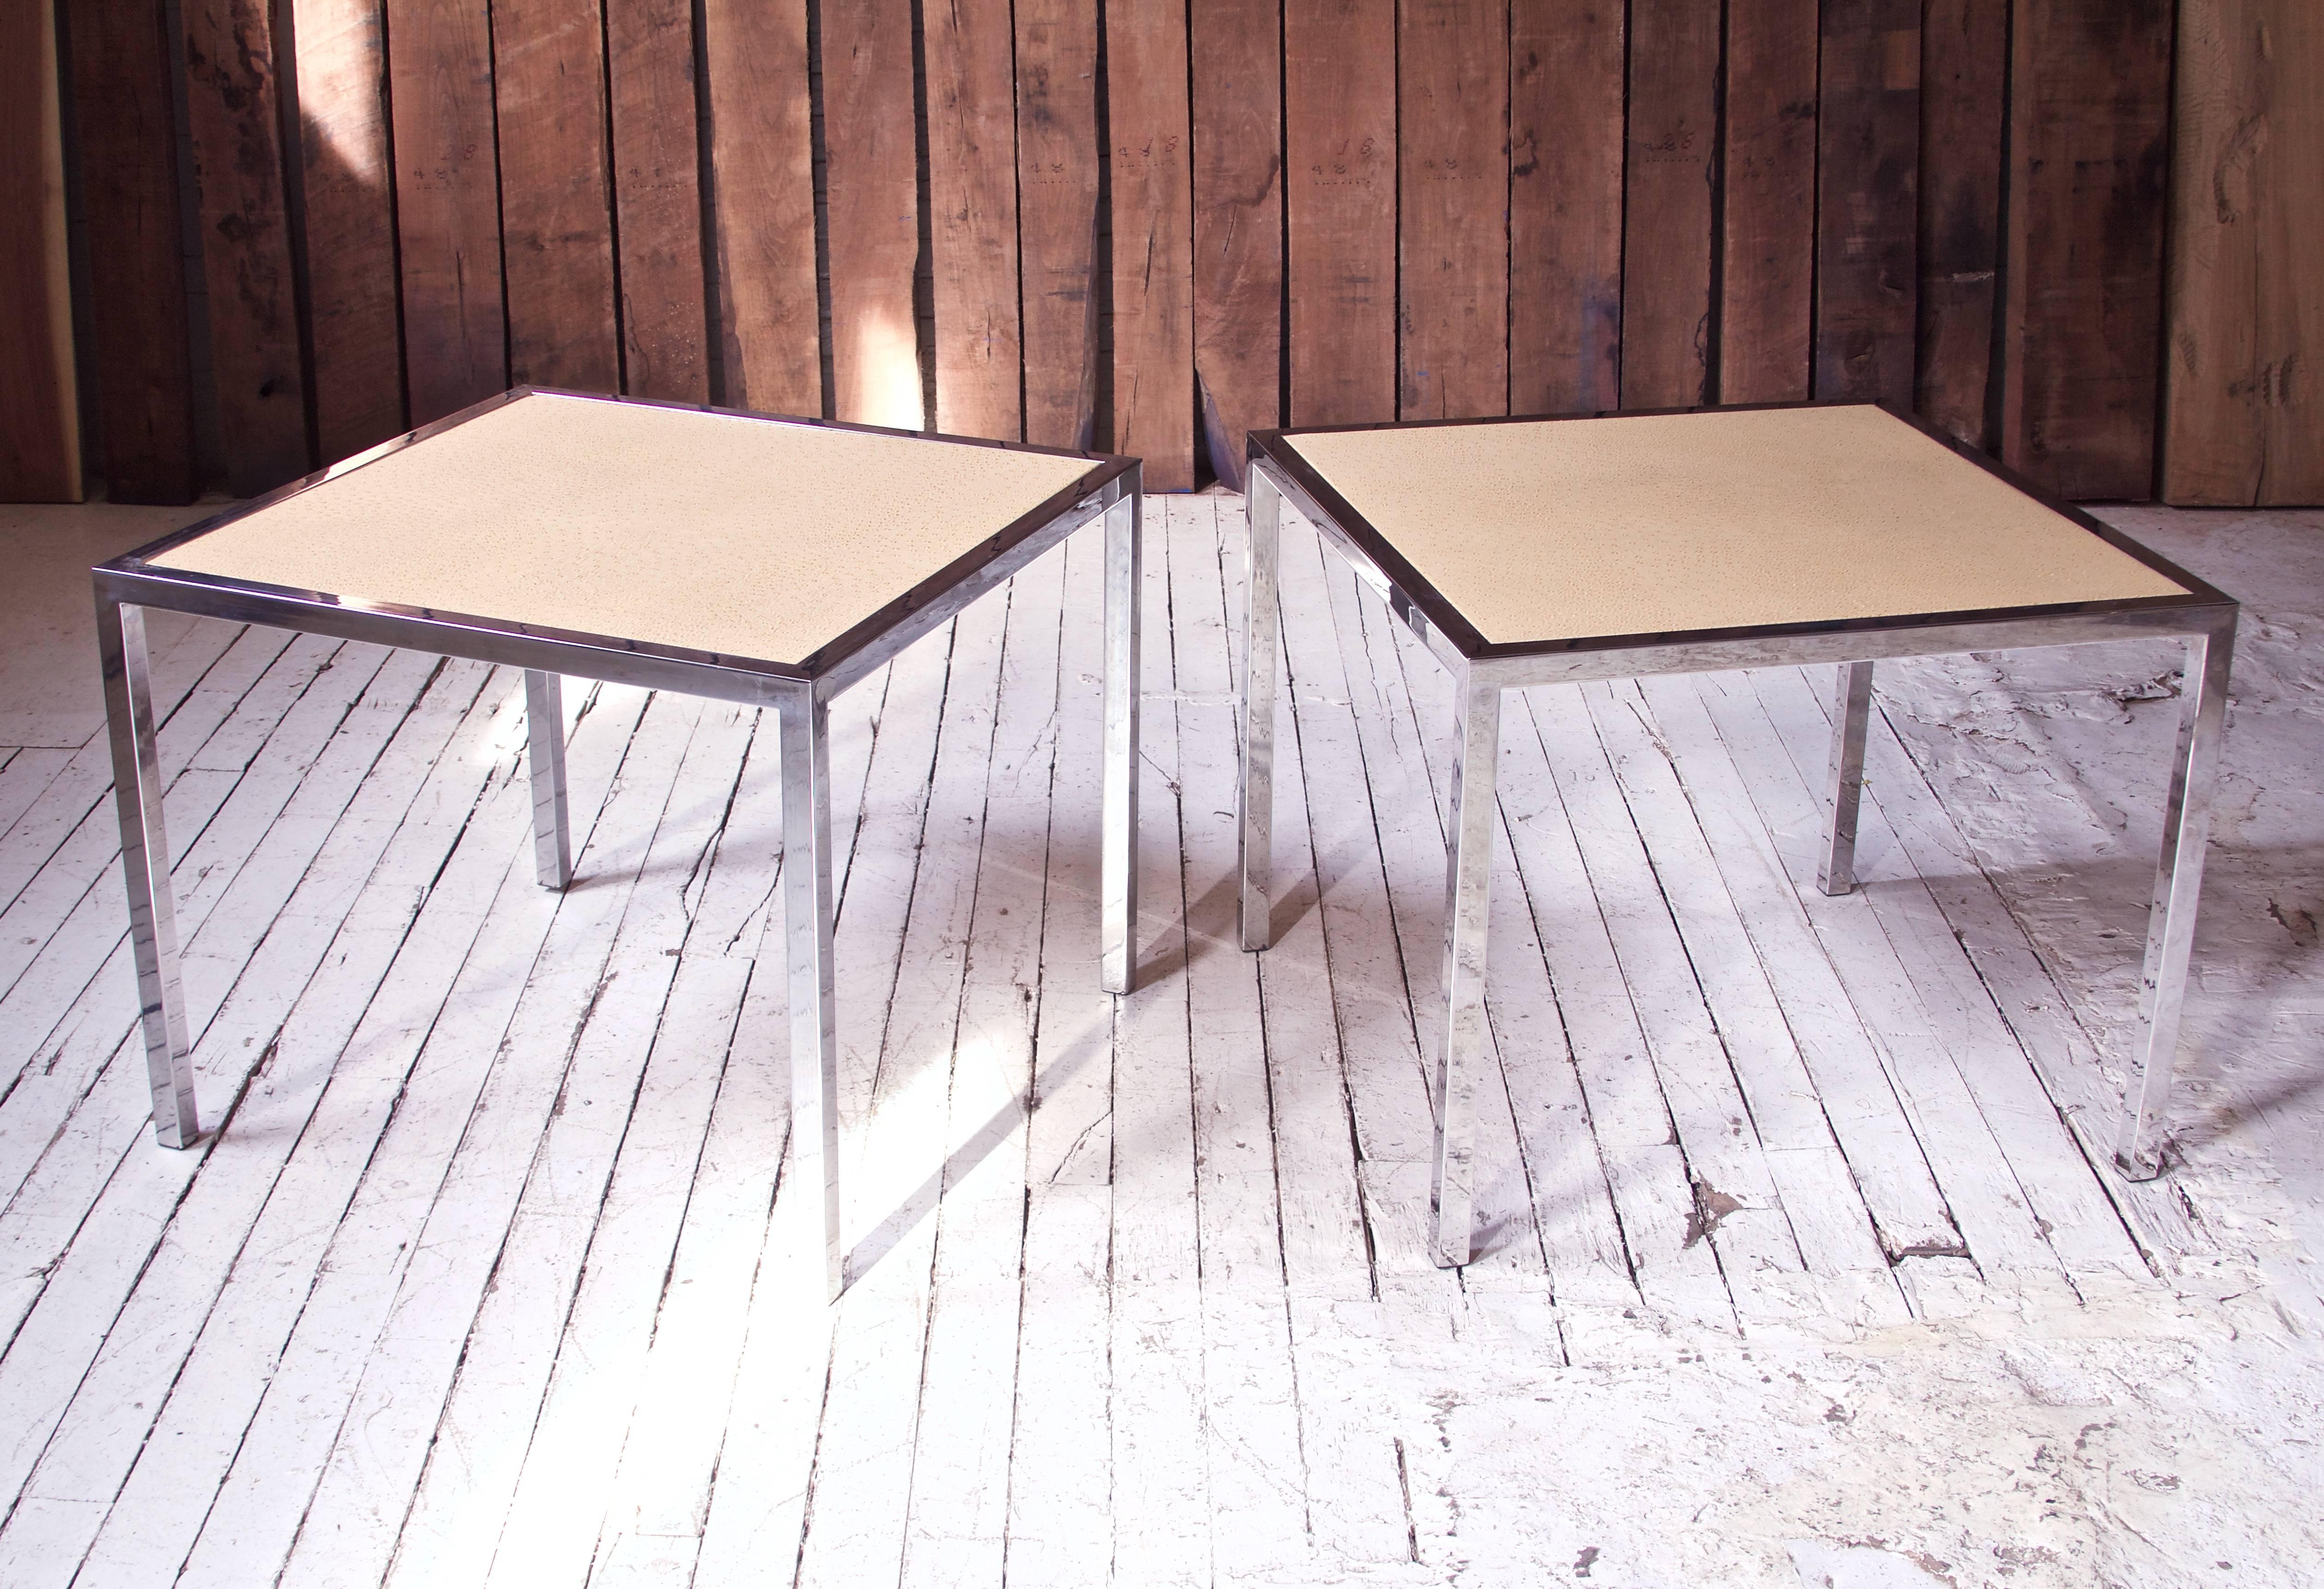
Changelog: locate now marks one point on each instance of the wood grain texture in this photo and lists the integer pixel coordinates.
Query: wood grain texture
(1452, 237)
(447, 206)
(139, 357)
(231, 106)
(351, 286)
(971, 51)
(2089, 145)
(871, 177)
(39, 409)
(658, 199)
(1672, 162)
(2242, 406)
(1964, 63)
(1566, 207)
(1153, 240)
(1237, 122)
(763, 175)
(1339, 143)
(1768, 212)
(1869, 220)
(1058, 159)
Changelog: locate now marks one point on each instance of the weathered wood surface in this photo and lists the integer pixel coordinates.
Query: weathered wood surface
(232, 106)
(1672, 161)
(973, 219)
(657, 198)
(874, 211)
(2242, 413)
(1452, 76)
(1868, 161)
(1340, 143)
(762, 176)
(1964, 67)
(350, 236)
(1768, 201)
(1152, 175)
(1059, 159)
(40, 411)
(1238, 195)
(1566, 207)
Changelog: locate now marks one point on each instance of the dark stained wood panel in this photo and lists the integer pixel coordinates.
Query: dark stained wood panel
(1059, 157)
(1866, 274)
(658, 199)
(2243, 417)
(351, 286)
(971, 50)
(557, 214)
(1153, 240)
(39, 411)
(1964, 62)
(1339, 142)
(1566, 206)
(872, 178)
(1452, 237)
(139, 357)
(2089, 147)
(232, 108)
(1673, 161)
(447, 206)
(1238, 120)
(1767, 201)
(762, 176)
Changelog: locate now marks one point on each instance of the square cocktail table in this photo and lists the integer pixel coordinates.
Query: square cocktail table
(768, 561)
(1541, 551)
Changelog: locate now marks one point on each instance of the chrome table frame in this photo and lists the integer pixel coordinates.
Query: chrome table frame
(801, 693)
(2205, 619)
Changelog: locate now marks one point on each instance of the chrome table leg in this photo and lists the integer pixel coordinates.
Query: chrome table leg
(1468, 871)
(2178, 884)
(544, 726)
(1261, 631)
(1117, 856)
(146, 867)
(807, 924)
(1851, 709)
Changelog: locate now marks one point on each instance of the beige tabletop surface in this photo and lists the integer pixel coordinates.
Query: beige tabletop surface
(1646, 524)
(712, 531)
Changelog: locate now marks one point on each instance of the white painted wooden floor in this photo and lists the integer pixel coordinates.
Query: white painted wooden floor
(1797, 1266)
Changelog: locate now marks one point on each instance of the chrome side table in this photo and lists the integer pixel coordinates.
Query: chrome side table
(1540, 551)
(768, 561)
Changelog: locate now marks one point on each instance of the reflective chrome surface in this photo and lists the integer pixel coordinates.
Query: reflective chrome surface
(1118, 847)
(808, 912)
(1851, 711)
(1468, 872)
(544, 734)
(1262, 630)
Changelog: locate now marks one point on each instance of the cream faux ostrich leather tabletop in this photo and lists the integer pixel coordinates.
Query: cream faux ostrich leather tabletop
(716, 532)
(1557, 529)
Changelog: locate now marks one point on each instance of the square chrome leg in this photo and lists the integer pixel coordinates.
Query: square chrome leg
(1262, 628)
(808, 914)
(2177, 886)
(146, 867)
(1118, 858)
(544, 728)
(1844, 788)
(1467, 872)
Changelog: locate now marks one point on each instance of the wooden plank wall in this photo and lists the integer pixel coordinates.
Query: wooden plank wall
(1153, 226)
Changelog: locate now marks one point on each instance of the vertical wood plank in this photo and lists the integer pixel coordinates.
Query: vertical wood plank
(762, 172)
(231, 106)
(40, 411)
(557, 215)
(2088, 140)
(2241, 419)
(350, 220)
(657, 198)
(1340, 141)
(139, 356)
(446, 205)
(1058, 155)
(1237, 122)
(872, 179)
(1769, 209)
(1964, 60)
(1153, 239)
(1868, 212)
(1452, 85)
(1566, 207)
(1673, 158)
(970, 51)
